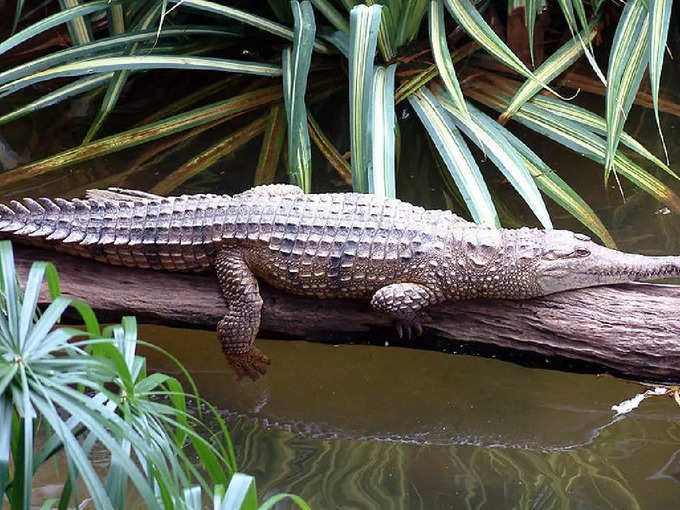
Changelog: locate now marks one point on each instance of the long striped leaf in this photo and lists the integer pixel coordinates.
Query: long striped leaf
(555, 65)
(552, 185)
(17, 15)
(337, 38)
(329, 151)
(455, 153)
(490, 137)
(52, 21)
(210, 156)
(412, 12)
(442, 57)
(142, 63)
(335, 18)
(530, 11)
(79, 28)
(247, 18)
(583, 142)
(474, 25)
(598, 125)
(364, 25)
(627, 61)
(235, 105)
(72, 89)
(567, 7)
(270, 152)
(660, 14)
(410, 86)
(388, 27)
(295, 65)
(107, 45)
(119, 79)
(381, 179)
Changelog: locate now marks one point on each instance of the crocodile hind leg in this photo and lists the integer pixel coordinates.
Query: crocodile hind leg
(237, 330)
(405, 303)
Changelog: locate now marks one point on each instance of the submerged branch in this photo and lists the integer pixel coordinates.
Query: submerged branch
(629, 329)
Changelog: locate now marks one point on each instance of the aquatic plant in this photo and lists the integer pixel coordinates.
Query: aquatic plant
(68, 390)
(444, 57)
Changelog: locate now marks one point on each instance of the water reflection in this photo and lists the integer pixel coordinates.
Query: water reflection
(370, 427)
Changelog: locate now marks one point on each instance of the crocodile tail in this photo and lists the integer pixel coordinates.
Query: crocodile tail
(20, 218)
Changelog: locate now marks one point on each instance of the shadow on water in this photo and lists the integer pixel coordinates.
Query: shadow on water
(371, 427)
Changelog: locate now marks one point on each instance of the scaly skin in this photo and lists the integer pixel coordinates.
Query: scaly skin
(400, 257)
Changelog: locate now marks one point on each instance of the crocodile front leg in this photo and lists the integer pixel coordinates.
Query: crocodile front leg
(405, 303)
(237, 330)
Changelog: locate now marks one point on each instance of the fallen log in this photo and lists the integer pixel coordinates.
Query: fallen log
(632, 330)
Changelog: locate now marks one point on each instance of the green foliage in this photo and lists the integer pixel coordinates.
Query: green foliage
(65, 389)
(391, 50)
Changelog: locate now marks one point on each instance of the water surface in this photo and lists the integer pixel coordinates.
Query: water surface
(374, 427)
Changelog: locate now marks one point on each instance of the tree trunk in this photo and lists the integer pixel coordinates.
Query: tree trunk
(631, 329)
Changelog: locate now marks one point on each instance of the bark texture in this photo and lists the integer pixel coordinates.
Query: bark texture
(631, 329)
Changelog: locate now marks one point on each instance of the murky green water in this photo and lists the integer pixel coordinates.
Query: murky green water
(358, 427)
(374, 427)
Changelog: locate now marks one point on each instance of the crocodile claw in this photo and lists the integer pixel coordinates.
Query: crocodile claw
(410, 328)
(250, 364)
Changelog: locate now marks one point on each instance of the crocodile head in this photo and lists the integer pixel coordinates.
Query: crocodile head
(573, 261)
(567, 261)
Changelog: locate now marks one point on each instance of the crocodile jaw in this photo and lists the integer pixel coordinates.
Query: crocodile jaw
(602, 267)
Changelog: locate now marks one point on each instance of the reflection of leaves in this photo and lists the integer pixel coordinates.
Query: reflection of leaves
(671, 469)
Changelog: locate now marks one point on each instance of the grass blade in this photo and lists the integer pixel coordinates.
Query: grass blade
(442, 56)
(552, 185)
(555, 65)
(295, 65)
(108, 45)
(627, 62)
(329, 151)
(412, 12)
(584, 142)
(52, 21)
(236, 105)
(79, 28)
(567, 7)
(456, 155)
(56, 96)
(364, 26)
(9, 288)
(660, 14)
(17, 16)
(530, 12)
(474, 25)
(490, 137)
(387, 28)
(332, 15)
(119, 79)
(410, 86)
(598, 125)
(141, 63)
(5, 428)
(241, 494)
(272, 144)
(381, 178)
(247, 18)
(209, 157)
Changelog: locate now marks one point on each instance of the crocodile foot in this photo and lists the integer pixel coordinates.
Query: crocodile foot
(252, 364)
(411, 327)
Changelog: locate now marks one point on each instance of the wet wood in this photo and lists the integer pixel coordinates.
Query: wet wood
(629, 329)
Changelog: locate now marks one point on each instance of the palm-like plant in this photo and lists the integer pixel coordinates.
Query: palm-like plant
(87, 387)
(331, 34)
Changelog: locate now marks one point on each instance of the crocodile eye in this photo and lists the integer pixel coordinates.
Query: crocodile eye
(581, 252)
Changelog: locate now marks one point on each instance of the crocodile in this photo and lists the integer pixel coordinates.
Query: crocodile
(400, 257)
